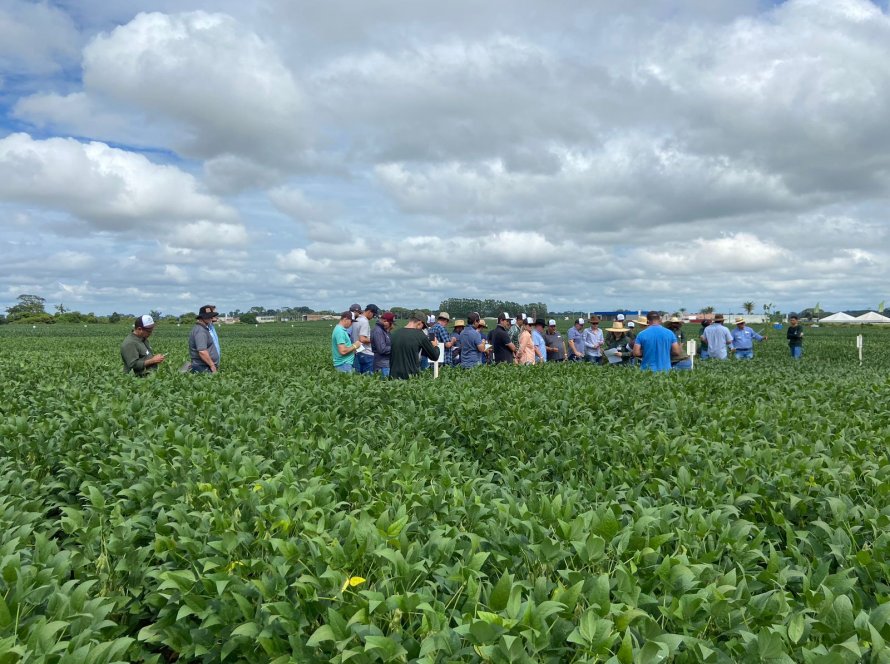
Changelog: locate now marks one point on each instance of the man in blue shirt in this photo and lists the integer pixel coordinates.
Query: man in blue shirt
(472, 345)
(743, 339)
(655, 345)
(576, 341)
(443, 335)
(538, 340)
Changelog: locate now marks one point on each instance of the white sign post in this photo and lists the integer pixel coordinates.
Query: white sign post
(690, 351)
(859, 346)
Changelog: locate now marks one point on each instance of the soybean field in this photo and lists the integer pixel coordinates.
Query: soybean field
(282, 512)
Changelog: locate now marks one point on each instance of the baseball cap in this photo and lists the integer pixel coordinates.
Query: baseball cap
(373, 308)
(512, 321)
(580, 321)
(388, 316)
(551, 322)
(539, 321)
(529, 320)
(503, 316)
(355, 307)
(144, 322)
(619, 317)
(206, 315)
(444, 314)
(631, 324)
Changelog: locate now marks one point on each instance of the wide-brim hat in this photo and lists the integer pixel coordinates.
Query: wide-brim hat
(617, 327)
(460, 322)
(444, 314)
(641, 321)
(739, 320)
(482, 323)
(719, 318)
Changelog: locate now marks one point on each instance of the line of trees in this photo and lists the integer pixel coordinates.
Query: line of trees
(459, 307)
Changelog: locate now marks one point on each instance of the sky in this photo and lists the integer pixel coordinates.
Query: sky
(163, 154)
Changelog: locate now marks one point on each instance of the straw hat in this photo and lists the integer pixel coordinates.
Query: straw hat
(618, 326)
(641, 321)
(739, 320)
(460, 322)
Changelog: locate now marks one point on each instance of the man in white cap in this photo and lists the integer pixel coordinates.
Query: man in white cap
(556, 345)
(136, 354)
(576, 341)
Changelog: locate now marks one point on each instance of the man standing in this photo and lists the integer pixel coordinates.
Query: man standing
(655, 345)
(680, 362)
(459, 326)
(703, 348)
(439, 331)
(381, 343)
(342, 347)
(743, 339)
(538, 340)
(408, 344)
(502, 347)
(361, 332)
(718, 338)
(795, 337)
(472, 345)
(576, 341)
(202, 351)
(212, 325)
(593, 342)
(556, 345)
(136, 354)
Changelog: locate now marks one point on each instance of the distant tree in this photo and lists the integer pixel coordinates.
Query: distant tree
(249, 318)
(28, 305)
(60, 308)
(748, 307)
(156, 314)
(707, 310)
(115, 317)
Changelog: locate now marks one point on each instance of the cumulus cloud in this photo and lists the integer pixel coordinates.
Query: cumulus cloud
(498, 150)
(217, 87)
(35, 38)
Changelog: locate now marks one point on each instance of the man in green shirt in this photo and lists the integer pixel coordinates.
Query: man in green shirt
(342, 347)
(136, 354)
(407, 346)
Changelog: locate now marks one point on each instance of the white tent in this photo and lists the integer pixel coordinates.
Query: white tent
(872, 317)
(839, 317)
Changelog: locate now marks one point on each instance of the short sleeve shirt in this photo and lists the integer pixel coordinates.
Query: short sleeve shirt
(341, 336)
(555, 341)
(578, 338)
(656, 342)
(717, 337)
(362, 329)
(469, 351)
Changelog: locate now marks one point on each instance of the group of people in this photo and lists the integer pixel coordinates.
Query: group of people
(204, 351)
(647, 342)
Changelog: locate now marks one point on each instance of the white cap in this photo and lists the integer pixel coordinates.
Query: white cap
(430, 319)
(580, 321)
(631, 324)
(145, 321)
(551, 322)
(523, 316)
(512, 321)
(619, 317)
(506, 315)
(529, 319)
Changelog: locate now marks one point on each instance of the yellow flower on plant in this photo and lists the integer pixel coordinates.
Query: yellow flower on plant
(352, 582)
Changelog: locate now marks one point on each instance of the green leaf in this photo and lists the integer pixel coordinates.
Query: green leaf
(322, 634)
(500, 593)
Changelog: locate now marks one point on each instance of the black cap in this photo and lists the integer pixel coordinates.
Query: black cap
(373, 308)
(207, 308)
(206, 315)
(539, 321)
(355, 307)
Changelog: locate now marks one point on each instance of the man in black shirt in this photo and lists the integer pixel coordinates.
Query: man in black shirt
(503, 349)
(407, 344)
(795, 337)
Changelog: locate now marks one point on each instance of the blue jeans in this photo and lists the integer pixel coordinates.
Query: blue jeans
(200, 367)
(383, 371)
(797, 352)
(704, 354)
(344, 368)
(592, 359)
(744, 354)
(363, 363)
(682, 365)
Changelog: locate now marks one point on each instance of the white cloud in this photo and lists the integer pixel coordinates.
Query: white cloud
(35, 38)
(111, 188)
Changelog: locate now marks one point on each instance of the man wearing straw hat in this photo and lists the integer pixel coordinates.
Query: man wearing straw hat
(743, 338)
(459, 326)
(446, 343)
(718, 338)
